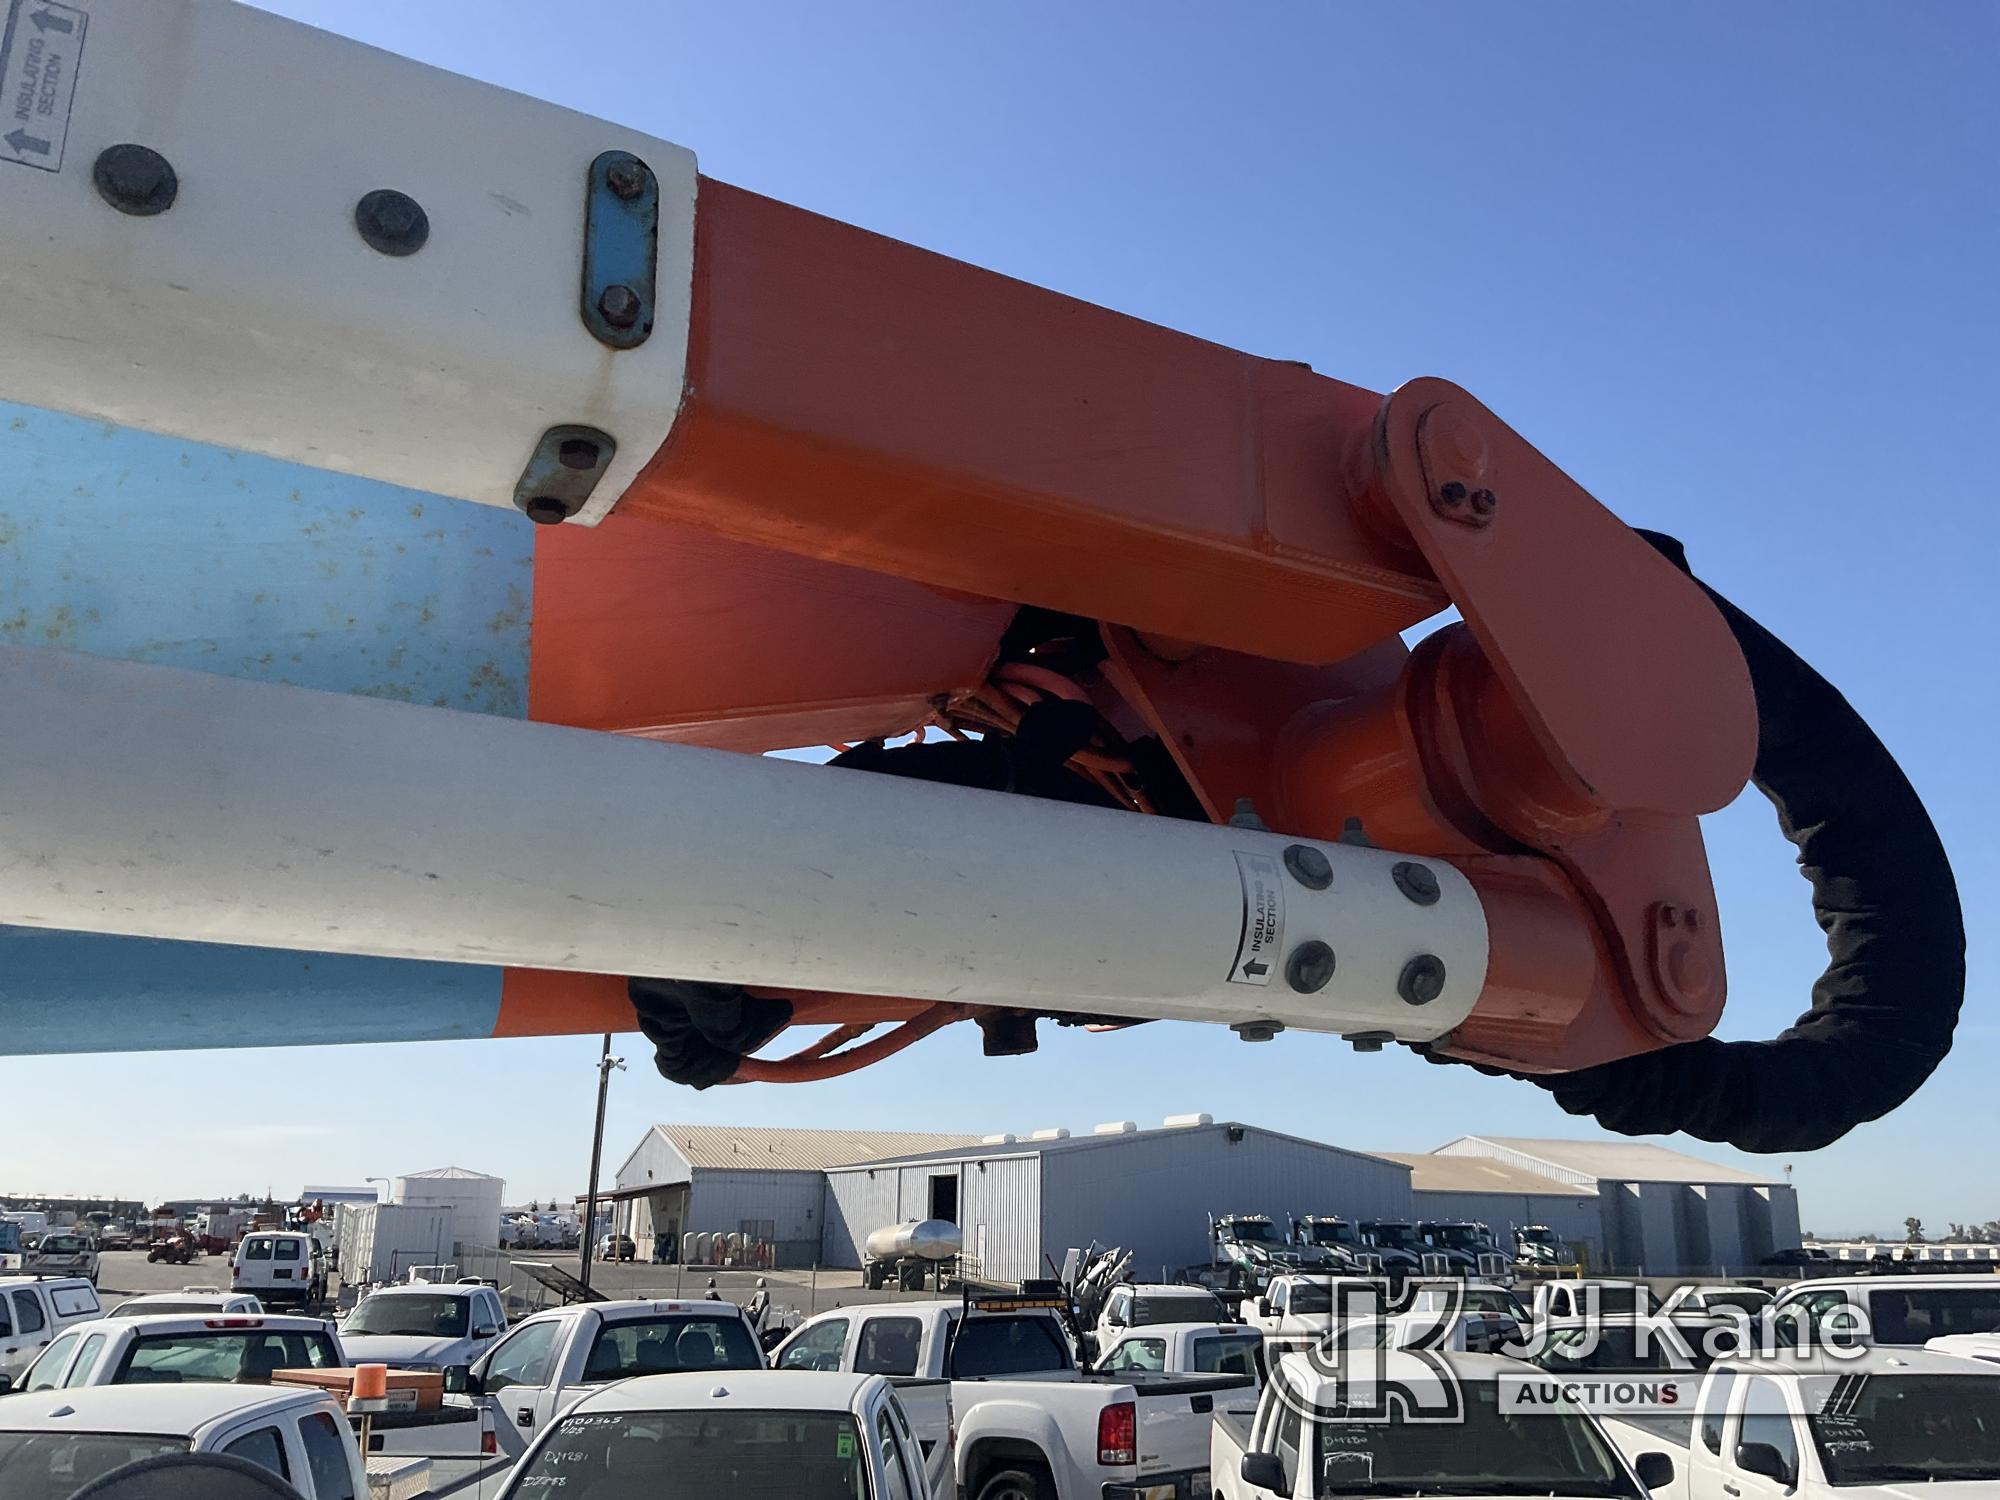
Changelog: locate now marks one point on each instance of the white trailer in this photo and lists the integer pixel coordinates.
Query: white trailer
(379, 1242)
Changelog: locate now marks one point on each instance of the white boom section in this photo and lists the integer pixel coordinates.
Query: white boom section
(251, 314)
(164, 803)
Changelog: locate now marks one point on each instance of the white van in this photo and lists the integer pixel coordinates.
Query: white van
(33, 1310)
(279, 1266)
(63, 1252)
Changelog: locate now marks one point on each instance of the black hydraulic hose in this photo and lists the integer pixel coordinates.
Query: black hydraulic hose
(1883, 1012)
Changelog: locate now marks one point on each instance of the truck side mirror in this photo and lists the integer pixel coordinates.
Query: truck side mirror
(1263, 1307)
(1763, 1459)
(1262, 1471)
(1655, 1470)
(460, 1381)
(6, 1384)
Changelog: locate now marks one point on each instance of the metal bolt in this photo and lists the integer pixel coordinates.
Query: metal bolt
(1422, 979)
(1257, 1031)
(135, 180)
(1452, 493)
(393, 223)
(1485, 502)
(620, 305)
(1310, 967)
(1418, 882)
(1368, 1041)
(626, 177)
(546, 510)
(577, 453)
(1309, 867)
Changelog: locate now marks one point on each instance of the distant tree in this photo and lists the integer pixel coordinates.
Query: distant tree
(1913, 1231)
(1990, 1231)
(1958, 1232)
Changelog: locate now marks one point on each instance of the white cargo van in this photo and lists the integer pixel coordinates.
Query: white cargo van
(33, 1311)
(280, 1267)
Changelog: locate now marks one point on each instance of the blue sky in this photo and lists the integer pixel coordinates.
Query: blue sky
(1730, 266)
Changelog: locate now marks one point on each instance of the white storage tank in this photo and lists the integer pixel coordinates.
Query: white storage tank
(473, 1197)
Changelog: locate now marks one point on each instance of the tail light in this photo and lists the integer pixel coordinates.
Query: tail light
(1118, 1434)
(489, 1442)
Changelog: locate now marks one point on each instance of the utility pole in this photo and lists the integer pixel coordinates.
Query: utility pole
(605, 1063)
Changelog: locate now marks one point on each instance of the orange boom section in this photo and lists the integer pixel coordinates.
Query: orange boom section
(905, 492)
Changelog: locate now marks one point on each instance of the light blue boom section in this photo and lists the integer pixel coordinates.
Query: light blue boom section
(123, 543)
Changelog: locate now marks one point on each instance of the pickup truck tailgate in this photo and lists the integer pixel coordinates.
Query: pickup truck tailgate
(1175, 1414)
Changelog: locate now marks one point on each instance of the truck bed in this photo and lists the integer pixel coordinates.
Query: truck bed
(1236, 1426)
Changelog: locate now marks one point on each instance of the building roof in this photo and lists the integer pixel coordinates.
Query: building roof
(974, 1148)
(1483, 1174)
(1617, 1161)
(763, 1148)
(455, 1174)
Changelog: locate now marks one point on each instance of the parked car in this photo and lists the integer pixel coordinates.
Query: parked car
(1031, 1424)
(1185, 1349)
(1830, 1425)
(617, 1247)
(280, 1268)
(1903, 1310)
(178, 1349)
(1135, 1306)
(34, 1313)
(423, 1326)
(55, 1446)
(191, 1299)
(62, 1252)
(753, 1433)
(1799, 1257)
(545, 1364)
(1311, 1437)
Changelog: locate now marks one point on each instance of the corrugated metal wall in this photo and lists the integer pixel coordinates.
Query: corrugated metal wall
(999, 1209)
(1152, 1192)
(789, 1202)
(1575, 1218)
(654, 1164)
(858, 1202)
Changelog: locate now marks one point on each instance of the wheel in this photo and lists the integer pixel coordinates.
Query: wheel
(1019, 1481)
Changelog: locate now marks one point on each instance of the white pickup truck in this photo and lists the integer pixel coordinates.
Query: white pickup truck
(1420, 1427)
(56, 1445)
(1031, 1424)
(1302, 1307)
(1828, 1424)
(548, 1362)
(183, 1349)
(1136, 1305)
(746, 1433)
(423, 1325)
(1186, 1349)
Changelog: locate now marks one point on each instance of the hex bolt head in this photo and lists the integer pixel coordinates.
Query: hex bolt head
(135, 180)
(577, 453)
(620, 305)
(1452, 493)
(1309, 968)
(546, 510)
(1309, 866)
(1368, 1041)
(1422, 979)
(392, 223)
(1485, 502)
(626, 177)
(1418, 882)
(1257, 1031)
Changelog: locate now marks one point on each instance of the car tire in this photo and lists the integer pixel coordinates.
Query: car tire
(1019, 1481)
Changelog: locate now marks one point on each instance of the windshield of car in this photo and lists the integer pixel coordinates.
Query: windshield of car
(669, 1344)
(1549, 1450)
(1536, 1236)
(1331, 1232)
(1025, 1345)
(1882, 1429)
(1398, 1235)
(431, 1315)
(1251, 1231)
(1618, 1347)
(1309, 1297)
(245, 1355)
(64, 1244)
(55, 1465)
(699, 1455)
(1914, 1315)
(1493, 1299)
(1749, 1300)
(1178, 1307)
(1457, 1236)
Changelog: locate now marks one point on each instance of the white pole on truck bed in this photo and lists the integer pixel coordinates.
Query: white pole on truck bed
(172, 804)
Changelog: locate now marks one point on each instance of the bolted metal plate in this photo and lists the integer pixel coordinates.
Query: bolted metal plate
(621, 233)
(562, 471)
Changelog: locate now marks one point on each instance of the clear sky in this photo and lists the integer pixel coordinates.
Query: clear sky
(1733, 267)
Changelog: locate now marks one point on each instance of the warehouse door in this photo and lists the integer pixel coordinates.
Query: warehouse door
(944, 1198)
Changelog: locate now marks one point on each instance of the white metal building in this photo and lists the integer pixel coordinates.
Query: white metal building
(1504, 1197)
(1659, 1211)
(473, 1197)
(1022, 1203)
(764, 1183)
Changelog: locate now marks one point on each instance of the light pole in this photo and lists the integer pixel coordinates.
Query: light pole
(605, 1064)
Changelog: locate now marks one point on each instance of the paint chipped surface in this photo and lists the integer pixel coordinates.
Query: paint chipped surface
(124, 543)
